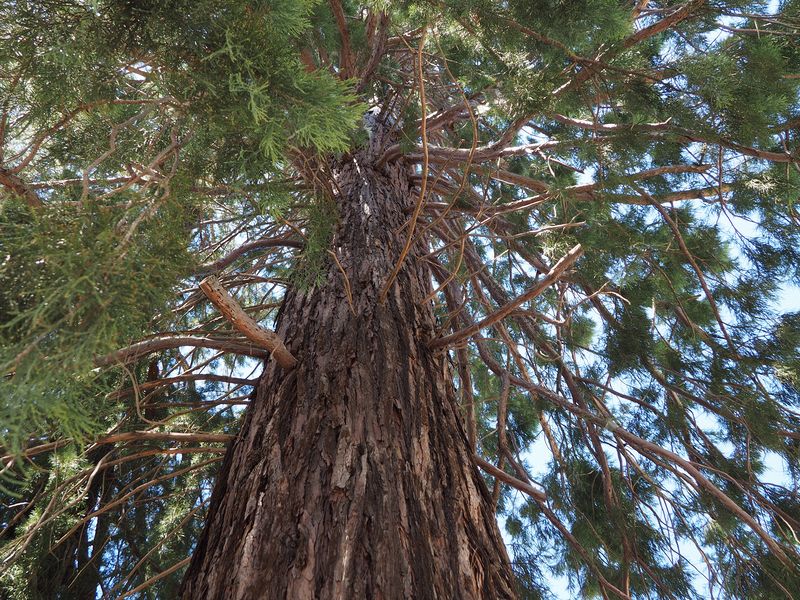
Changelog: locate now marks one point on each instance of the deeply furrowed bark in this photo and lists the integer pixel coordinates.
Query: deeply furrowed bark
(351, 476)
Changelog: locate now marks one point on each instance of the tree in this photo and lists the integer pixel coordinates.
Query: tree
(523, 261)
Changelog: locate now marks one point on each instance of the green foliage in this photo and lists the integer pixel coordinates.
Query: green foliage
(235, 65)
(74, 288)
(141, 141)
(322, 220)
(86, 275)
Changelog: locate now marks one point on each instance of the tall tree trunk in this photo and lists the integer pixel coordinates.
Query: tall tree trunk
(351, 476)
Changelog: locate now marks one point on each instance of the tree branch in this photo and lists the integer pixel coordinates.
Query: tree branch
(378, 44)
(552, 276)
(346, 51)
(509, 479)
(165, 342)
(245, 324)
(221, 263)
(19, 187)
(166, 436)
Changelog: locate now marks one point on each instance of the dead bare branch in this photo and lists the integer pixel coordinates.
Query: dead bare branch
(245, 324)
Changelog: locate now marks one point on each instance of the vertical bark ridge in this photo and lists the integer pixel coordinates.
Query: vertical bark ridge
(351, 476)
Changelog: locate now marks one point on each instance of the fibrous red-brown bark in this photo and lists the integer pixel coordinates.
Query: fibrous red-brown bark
(351, 476)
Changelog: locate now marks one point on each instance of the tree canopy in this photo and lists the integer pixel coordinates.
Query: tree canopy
(609, 193)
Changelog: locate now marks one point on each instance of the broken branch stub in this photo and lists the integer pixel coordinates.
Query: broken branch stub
(244, 323)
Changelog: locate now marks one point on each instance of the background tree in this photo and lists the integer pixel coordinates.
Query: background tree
(570, 227)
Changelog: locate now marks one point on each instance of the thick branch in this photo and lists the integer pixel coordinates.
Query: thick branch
(245, 324)
(493, 151)
(497, 149)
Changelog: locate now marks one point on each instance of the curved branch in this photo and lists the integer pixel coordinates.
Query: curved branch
(552, 276)
(147, 385)
(221, 263)
(165, 342)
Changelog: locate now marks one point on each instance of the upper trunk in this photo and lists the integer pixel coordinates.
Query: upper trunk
(352, 476)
